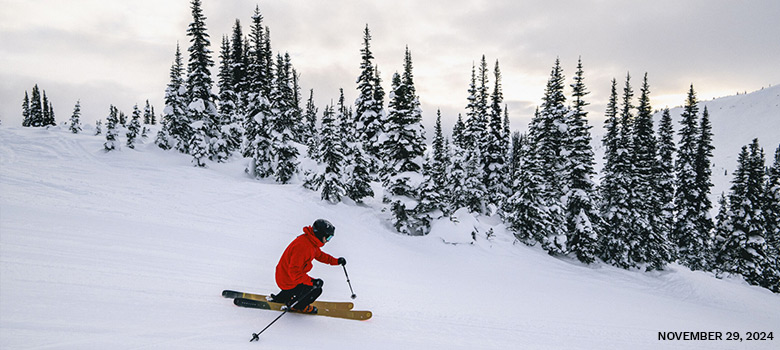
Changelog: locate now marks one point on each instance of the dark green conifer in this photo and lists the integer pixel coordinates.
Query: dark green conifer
(75, 119)
(692, 239)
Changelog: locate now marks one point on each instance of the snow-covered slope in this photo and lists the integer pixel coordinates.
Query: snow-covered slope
(736, 121)
(131, 249)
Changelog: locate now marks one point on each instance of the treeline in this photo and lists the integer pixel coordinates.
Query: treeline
(650, 208)
(37, 111)
(118, 121)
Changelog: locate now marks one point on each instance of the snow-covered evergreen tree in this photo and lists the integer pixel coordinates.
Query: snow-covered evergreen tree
(745, 250)
(516, 157)
(112, 123)
(199, 80)
(357, 169)
(36, 109)
(357, 184)
(609, 141)
(379, 97)
(435, 192)
(430, 203)
(617, 191)
(526, 212)
(259, 122)
(260, 67)
(723, 231)
(369, 111)
(144, 132)
(327, 179)
(458, 133)
(46, 114)
(551, 134)
(175, 119)
(75, 118)
(134, 127)
(238, 68)
(692, 240)
(148, 118)
(475, 133)
(163, 139)
(311, 137)
(199, 144)
(482, 108)
(497, 102)
(772, 208)
(458, 193)
(297, 113)
(548, 134)
(456, 180)
(229, 131)
(653, 247)
(402, 152)
(52, 119)
(471, 125)
(26, 110)
(98, 127)
(533, 215)
(258, 143)
(580, 199)
(495, 148)
(664, 174)
(507, 133)
(703, 165)
(475, 194)
(285, 119)
(201, 109)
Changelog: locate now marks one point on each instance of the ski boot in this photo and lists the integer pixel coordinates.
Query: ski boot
(308, 309)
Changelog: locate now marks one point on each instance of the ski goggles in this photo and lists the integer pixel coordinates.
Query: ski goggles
(328, 237)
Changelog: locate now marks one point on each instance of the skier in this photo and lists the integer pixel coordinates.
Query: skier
(298, 289)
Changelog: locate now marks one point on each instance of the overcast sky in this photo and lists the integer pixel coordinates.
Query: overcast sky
(120, 51)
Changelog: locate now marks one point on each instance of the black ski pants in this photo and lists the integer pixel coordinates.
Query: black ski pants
(299, 297)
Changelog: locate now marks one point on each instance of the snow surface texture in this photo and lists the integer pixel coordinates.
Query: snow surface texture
(131, 249)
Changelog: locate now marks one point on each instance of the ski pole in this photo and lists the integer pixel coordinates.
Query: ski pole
(348, 282)
(256, 336)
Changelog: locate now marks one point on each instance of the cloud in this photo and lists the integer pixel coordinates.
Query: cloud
(720, 46)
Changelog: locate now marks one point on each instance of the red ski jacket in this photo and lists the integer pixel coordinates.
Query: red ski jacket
(295, 262)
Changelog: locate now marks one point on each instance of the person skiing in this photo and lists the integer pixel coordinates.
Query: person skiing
(299, 290)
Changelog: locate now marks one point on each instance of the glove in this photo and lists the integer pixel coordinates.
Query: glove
(317, 283)
(342, 261)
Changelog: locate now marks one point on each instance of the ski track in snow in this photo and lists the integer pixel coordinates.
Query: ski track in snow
(131, 249)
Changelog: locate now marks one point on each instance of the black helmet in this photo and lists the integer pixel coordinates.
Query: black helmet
(323, 229)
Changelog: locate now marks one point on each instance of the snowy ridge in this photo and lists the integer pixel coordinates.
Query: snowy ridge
(131, 249)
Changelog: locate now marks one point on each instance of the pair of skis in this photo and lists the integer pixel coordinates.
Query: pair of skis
(324, 308)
